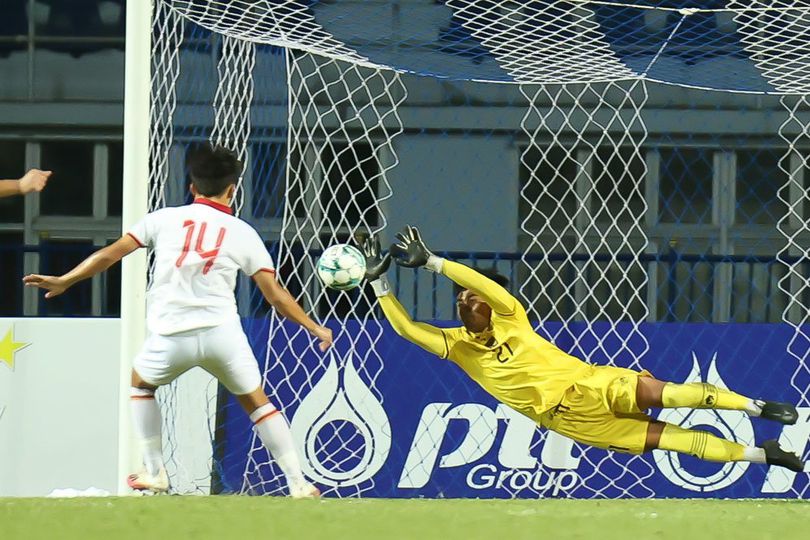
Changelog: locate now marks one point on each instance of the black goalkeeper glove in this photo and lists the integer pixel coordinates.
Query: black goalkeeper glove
(376, 264)
(410, 251)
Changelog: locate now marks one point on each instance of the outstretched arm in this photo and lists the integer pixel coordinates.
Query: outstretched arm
(34, 180)
(96, 263)
(411, 252)
(430, 338)
(281, 299)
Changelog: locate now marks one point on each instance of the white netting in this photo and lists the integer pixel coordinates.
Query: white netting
(232, 103)
(777, 41)
(189, 404)
(542, 41)
(585, 200)
(793, 225)
(184, 409)
(584, 71)
(335, 184)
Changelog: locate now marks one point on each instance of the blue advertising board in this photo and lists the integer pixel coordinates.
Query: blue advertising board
(395, 421)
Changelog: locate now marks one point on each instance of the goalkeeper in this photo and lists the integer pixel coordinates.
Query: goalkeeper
(603, 406)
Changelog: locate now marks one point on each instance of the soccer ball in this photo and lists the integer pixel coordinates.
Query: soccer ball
(341, 267)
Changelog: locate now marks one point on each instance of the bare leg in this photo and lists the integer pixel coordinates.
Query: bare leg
(252, 401)
(137, 382)
(653, 435)
(648, 393)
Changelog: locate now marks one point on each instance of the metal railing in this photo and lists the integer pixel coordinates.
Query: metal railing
(428, 299)
(682, 295)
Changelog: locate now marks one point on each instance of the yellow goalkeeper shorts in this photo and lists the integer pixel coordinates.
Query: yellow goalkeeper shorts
(601, 410)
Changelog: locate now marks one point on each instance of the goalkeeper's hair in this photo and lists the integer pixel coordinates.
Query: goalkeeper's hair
(491, 273)
(212, 168)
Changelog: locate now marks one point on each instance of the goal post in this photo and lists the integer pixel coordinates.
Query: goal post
(135, 194)
(638, 171)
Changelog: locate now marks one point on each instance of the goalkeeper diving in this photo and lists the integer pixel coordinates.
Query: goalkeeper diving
(602, 406)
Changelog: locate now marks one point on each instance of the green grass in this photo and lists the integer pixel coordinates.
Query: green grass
(250, 518)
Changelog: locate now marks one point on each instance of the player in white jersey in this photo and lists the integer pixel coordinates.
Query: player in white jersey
(191, 311)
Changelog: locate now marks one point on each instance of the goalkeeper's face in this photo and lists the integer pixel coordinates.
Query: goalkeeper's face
(473, 311)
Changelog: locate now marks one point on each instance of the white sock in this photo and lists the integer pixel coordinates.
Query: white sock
(754, 407)
(273, 430)
(754, 454)
(146, 424)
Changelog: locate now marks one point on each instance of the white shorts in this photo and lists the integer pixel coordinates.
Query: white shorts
(223, 351)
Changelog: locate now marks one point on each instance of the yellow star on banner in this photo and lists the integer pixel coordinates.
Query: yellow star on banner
(9, 347)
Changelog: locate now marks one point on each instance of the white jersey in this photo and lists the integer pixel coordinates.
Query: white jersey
(198, 249)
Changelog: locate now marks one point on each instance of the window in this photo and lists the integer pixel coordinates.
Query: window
(57, 257)
(11, 271)
(70, 191)
(546, 183)
(759, 180)
(268, 179)
(618, 175)
(686, 185)
(96, 18)
(115, 178)
(14, 21)
(351, 175)
(111, 287)
(12, 165)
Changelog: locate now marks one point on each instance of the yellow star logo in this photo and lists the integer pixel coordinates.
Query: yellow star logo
(9, 347)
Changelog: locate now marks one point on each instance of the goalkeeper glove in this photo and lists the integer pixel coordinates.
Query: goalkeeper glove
(376, 264)
(410, 251)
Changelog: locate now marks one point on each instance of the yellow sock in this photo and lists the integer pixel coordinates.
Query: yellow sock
(702, 396)
(701, 444)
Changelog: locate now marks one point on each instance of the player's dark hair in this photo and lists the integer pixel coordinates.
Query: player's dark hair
(212, 168)
(491, 273)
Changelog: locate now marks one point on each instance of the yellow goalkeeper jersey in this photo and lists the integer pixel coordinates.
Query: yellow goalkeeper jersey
(509, 360)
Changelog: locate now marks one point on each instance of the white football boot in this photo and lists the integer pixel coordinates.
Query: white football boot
(143, 481)
(304, 490)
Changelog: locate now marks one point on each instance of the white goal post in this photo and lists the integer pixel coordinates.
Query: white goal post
(135, 194)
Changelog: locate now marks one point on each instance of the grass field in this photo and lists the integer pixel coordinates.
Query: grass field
(276, 518)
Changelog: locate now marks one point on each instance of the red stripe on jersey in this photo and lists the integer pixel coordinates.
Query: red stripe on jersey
(268, 270)
(214, 204)
(140, 244)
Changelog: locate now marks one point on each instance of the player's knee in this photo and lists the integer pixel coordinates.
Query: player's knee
(648, 393)
(252, 401)
(654, 430)
(136, 381)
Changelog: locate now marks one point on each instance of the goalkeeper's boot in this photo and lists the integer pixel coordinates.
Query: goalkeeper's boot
(784, 413)
(774, 455)
(304, 490)
(143, 481)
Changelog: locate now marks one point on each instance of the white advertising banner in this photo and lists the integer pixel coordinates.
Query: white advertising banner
(59, 381)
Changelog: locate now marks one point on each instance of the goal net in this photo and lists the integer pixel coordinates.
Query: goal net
(636, 169)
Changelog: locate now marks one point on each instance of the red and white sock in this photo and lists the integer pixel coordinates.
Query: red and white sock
(146, 424)
(274, 432)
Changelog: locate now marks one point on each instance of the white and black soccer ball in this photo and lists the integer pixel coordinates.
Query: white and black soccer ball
(341, 267)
